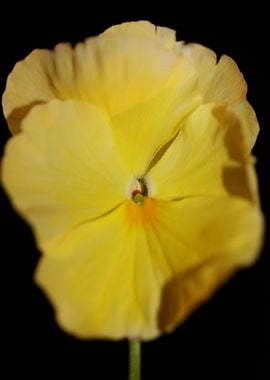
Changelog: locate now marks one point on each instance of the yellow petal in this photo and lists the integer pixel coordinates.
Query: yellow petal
(64, 168)
(114, 71)
(165, 36)
(143, 129)
(106, 285)
(227, 83)
(208, 157)
(202, 58)
(115, 277)
(27, 86)
(247, 116)
(224, 233)
(221, 82)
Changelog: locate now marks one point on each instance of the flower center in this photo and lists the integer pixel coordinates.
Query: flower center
(140, 192)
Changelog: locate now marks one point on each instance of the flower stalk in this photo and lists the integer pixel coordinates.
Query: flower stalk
(134, 360)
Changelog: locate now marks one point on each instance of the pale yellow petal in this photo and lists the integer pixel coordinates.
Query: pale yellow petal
(27, 86)
(219, 81)
(166, 36)
(114, 71)
(224, 82)
(143, 129)
(202, 58)
(224, 234)
(64, 169)
(227, 83)
(247, 116)
(208, 157)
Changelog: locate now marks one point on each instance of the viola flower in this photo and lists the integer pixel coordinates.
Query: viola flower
(131, 161)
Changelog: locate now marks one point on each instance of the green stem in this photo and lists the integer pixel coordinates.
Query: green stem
(134, 360)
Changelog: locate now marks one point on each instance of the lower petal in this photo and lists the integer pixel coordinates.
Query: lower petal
(138, 277)
(107, 286)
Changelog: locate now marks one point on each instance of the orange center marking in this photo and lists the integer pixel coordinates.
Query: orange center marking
(144, 213)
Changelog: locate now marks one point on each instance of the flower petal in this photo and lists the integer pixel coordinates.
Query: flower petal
(143, 129)
(27, 86)
(164, 35)
(224, 233)
(227, 83)
(113, 283)
(105, 286)
(222, 81)
(64, 168)
(114, 71)
(208, 157)
(219, 82)
(247, 116)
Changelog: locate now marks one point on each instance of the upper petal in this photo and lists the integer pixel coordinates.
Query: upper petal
(247, 116)
(114, 71)
(64, 168)
(165, 36)
(219, 81)
(143, 129)
(208, 157)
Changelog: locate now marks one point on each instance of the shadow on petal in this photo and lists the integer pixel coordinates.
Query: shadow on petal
(185, 291)
(236, 182)
(16, 117)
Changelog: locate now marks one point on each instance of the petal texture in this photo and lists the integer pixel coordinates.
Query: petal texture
(165, 36)
(64, 168)
(220, 81)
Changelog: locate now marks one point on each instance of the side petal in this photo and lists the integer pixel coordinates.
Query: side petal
(114, 71)
(208, 157)
(224, 234)
(64, 168)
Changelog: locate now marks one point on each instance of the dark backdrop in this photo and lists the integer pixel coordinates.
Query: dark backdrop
(226, 338)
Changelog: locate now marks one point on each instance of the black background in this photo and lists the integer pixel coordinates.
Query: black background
(226, 338)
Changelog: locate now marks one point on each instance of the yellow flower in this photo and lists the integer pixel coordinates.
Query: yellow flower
(133, 167)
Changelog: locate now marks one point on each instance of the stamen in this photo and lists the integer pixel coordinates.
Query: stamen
(139, 193)
(138, 198)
